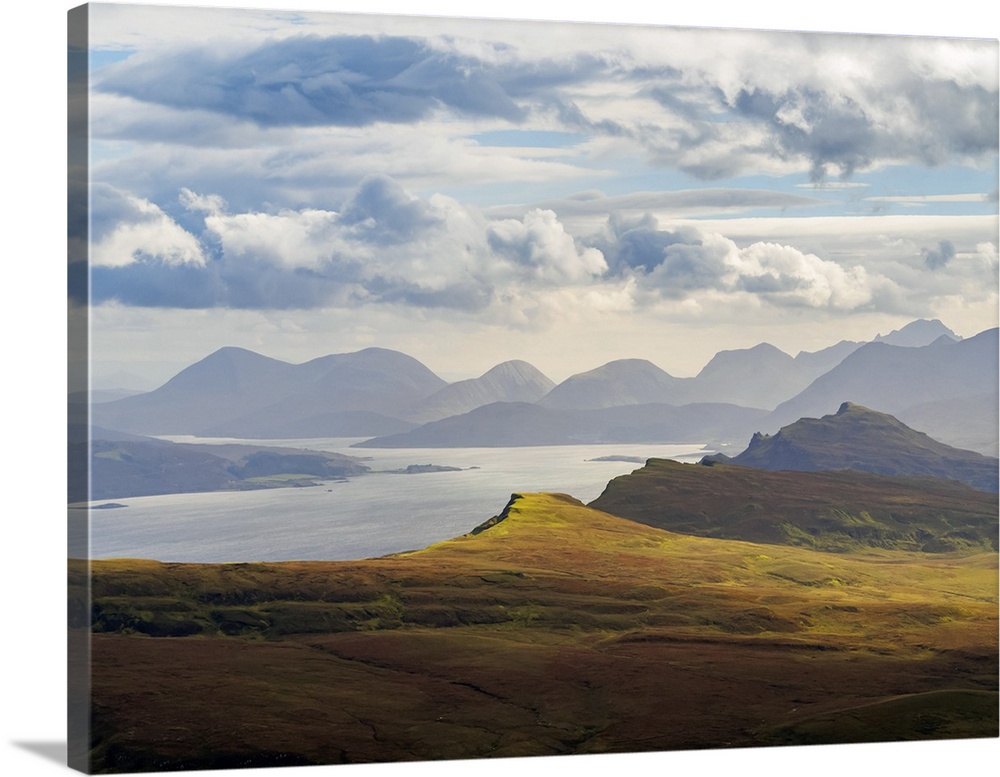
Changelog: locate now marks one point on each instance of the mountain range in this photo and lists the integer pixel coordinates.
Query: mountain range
(923, 373)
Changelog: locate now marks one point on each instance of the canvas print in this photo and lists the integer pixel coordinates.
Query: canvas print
(462, 389)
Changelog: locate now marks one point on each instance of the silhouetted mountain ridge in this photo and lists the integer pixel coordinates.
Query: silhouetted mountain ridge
(892, 378)
(947, 387)
(865, 440)
(619, 382)
(509, 381)
(240, 393)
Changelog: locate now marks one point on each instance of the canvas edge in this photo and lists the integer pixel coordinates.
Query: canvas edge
(78, 388)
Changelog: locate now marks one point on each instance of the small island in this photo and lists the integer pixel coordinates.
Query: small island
(420, 469)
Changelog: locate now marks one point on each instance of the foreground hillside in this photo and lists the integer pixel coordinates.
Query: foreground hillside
(829, 511)
(553, 628)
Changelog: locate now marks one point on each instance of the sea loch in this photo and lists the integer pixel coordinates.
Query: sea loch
(370, 515)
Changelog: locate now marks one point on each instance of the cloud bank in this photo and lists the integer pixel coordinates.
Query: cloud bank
(825, 105)
(385, 246)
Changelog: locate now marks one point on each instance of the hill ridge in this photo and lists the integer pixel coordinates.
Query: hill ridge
(859, 438)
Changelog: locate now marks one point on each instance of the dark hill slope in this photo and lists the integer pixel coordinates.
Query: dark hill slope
(830, 511)
(868, 441)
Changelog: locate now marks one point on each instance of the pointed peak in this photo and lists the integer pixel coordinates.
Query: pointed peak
(918, 333)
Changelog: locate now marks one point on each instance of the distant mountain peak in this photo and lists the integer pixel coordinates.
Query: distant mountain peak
(619, 382)
(918, 333)
(517, 369)
(510, 381)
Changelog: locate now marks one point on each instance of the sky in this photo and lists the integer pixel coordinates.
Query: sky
(472, 191)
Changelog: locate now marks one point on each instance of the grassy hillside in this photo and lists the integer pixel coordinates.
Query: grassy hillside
(830, 511)
(554, 628)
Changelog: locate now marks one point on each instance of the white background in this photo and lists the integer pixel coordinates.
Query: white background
(32, 457)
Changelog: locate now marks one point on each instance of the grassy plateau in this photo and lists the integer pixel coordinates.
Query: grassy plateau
(553, 628)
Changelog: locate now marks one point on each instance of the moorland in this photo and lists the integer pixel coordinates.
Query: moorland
(552, 628)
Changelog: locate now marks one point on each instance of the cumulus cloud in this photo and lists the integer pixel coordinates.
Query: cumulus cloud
(206, 203)
(381, 212)
(541, 244)
(678, 263)
(382, 246)
(126, 229)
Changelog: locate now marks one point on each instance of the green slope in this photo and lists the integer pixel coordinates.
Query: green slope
(831, 511)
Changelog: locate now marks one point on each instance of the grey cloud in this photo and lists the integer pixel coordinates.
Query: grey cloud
(635, 244)
(467, 295)
(678, 264)
(356, 81)
(341, 81)
(250, 284)
(573, 118)
(110, 207)
(688, 266)
(957, 120)
(766, 285)
(936, 258)
(946, 120)
(156, 284)
(829, 131)
(380, 211)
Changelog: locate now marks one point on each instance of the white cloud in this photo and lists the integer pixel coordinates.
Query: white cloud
(289, 239)
(697, 262)
(130, 229)
(210, 203)
(540, 242)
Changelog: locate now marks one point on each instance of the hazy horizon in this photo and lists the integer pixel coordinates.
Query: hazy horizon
(132, 381)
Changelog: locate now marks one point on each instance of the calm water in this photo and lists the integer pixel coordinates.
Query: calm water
(370, 515)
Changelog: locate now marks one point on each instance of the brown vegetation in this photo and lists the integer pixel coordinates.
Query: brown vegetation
(557, 629)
